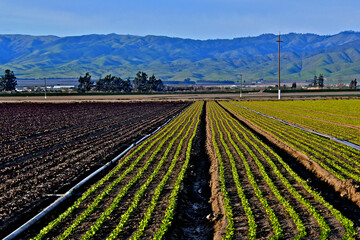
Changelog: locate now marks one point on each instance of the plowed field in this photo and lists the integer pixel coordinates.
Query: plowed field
(46, 148)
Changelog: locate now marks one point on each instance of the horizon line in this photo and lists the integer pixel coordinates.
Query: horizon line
(153, 35)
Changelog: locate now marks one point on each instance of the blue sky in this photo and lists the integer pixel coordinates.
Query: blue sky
(197, 19)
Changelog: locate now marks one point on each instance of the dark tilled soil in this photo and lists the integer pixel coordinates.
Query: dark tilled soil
(193, 213)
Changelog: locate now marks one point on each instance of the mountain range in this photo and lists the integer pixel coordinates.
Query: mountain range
(337, 57)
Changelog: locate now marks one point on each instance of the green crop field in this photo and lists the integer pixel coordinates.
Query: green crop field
(267, 174)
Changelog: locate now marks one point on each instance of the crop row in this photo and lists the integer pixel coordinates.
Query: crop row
(77, 149)
(105, 192)
(336, 158)
(346, 108)
(271, 187)
(339, 124)
(340, 111)
(136, 182)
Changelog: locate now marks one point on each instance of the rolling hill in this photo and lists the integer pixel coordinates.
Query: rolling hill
(303, 55)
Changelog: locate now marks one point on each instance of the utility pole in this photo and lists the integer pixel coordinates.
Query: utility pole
(279, 41)
(240, 85)
(45, 87)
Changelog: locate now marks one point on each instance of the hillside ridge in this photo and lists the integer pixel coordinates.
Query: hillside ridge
(174, 59)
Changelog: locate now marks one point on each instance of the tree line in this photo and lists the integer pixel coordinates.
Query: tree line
(8, 81)
(141, 83)
(353, 84)
(318, 81)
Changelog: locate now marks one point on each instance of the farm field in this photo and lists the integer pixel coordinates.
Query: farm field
(266, 179)
(340, 119)
(47, 148)
(137, 199)
(334, 162)
(262, 196)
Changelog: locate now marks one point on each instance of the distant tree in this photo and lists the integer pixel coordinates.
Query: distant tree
(8, 81)
(113, 84)
(353, 84)
(140, 82)
(126, 85)
(321, 80)
(150, 84)
(159, 86)
(2, 84)
(99, 85)
(318, 81)
(85, 83)
(144, 84)
(314, 82)
(187, 81)
(102, 84)
(293, 86)
(105, 84)
(155, 84)
(116, 84)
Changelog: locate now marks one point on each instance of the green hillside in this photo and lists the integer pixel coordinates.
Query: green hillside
(174, 59)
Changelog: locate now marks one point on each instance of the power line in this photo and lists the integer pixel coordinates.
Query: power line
(279, 41)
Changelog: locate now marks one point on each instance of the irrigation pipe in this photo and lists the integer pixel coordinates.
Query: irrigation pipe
(349, 144)
(69, 193)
